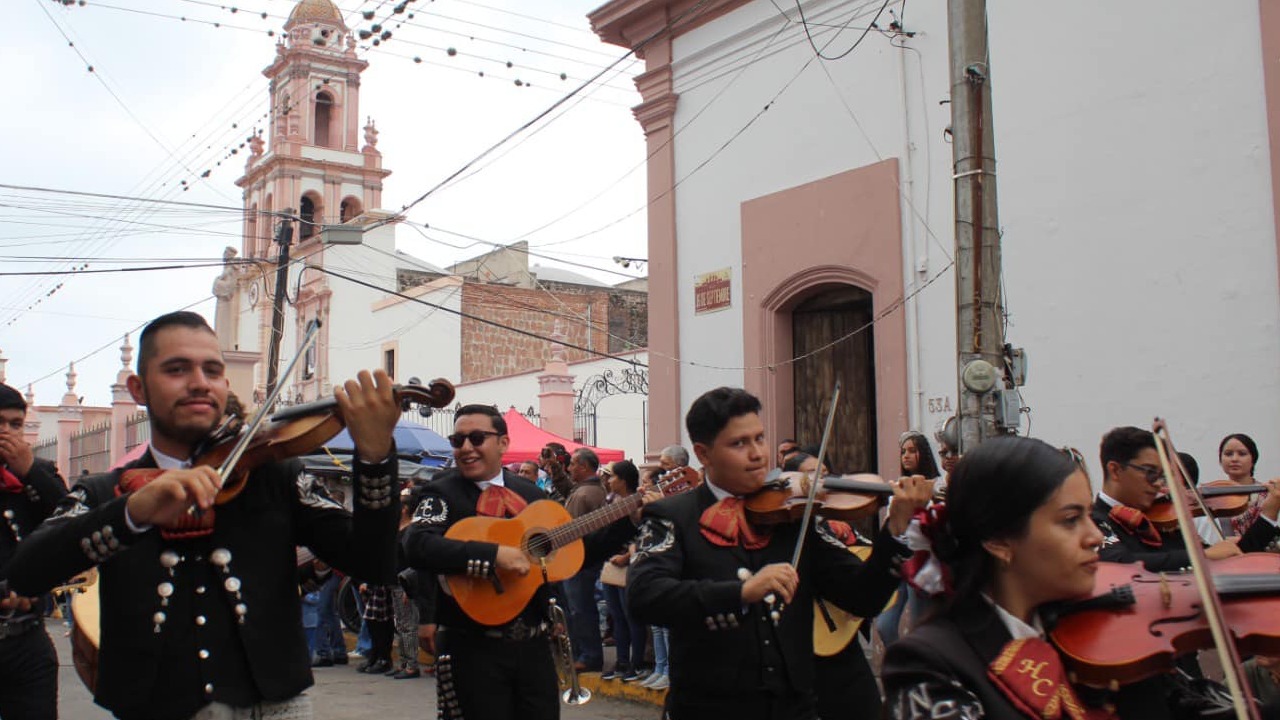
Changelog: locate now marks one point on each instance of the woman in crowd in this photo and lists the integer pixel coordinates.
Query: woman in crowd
(629, 637)
(916, 458)
(660, 678)
(1015, 535)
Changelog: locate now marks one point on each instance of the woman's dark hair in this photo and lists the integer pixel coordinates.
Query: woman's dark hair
(794, 461)
(928, 466)
(628, 473)
(1193, 467)
(1250, 447)
(994, 490)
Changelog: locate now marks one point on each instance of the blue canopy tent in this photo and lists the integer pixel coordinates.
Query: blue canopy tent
(412, 440)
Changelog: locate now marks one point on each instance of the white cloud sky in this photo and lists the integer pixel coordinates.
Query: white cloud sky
(186, 83)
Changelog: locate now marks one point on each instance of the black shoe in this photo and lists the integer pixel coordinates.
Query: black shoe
(406, 675)
(378, 666)
(391, 671)
(364, 666)
(322, 662)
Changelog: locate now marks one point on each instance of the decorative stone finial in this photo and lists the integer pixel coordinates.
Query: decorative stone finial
(3, 361)
(557, 342)
(370, 135)
(71, 378)
(126, 353)
(255, 146)
(30, 396)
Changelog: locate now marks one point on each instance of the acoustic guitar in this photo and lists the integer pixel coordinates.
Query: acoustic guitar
(550, 538)
(833, 628)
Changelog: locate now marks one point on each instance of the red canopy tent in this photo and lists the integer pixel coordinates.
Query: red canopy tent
(137, 452)
(527, 441)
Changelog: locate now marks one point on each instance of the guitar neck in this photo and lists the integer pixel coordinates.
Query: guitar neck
(596, 519)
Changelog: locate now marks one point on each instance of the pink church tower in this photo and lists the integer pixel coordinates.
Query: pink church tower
(311, 162)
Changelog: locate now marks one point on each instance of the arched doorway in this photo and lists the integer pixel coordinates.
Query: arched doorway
(833, 337)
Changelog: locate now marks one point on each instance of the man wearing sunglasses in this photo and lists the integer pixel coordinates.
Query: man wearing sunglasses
(491, 672)
(1132, 481)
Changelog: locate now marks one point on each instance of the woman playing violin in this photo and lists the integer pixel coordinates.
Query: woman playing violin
(1238, 456)
(1014, 535)
(1132, 483)
(190, 621)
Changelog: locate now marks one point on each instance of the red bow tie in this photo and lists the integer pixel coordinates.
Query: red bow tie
(1029, 673)
(725, 524)
(9, 482)
(1137, 524)
(497, 501)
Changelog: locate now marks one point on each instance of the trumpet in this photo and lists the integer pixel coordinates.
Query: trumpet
(562, 653)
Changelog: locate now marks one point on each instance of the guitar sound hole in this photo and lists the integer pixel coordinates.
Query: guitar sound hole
(539, 546)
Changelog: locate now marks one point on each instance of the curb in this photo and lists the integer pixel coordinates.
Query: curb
(620, 690)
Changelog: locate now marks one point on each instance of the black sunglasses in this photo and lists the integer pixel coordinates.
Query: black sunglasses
(475, 436)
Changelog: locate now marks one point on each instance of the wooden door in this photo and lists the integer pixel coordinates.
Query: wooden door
(816, 324)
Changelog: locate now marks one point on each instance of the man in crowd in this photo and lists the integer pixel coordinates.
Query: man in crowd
(584, 614)
(1132, 481)
(672, 457)
(29, 490)
(201, 619)
(786, 449)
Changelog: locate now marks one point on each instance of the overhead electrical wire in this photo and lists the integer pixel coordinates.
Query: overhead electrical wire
(697, 7)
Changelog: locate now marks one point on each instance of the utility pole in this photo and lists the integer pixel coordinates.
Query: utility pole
(979, 307)
(284, 237)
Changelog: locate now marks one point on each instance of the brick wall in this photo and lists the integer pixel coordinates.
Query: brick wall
(489, 351)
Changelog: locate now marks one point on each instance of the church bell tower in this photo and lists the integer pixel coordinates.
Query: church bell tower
(311, 162)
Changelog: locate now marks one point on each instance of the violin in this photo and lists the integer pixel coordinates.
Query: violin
(288, 433)
(1222, 498)
(1144, 621)
(840, 497)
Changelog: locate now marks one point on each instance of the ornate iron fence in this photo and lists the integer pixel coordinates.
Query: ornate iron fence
(46, 450)
(91, 450)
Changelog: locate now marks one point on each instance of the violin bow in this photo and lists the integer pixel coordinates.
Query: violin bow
(246, 435)
(816, 479)
(1242, 698)
(771, 600)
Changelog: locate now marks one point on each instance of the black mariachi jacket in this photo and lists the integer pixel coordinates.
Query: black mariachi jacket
(450, 497)
(1121, 546)
(22, 512)
(719, 647)
(443, 501)
(185, 623)
(940, 669)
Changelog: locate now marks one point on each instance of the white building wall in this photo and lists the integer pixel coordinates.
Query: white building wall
(1135, 199)
(356, 332)
(428, 339)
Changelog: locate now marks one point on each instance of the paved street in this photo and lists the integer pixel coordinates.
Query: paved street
(340, 693)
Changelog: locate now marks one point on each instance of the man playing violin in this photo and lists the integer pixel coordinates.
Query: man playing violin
(206, 622)
(1133, 481)
(493, 672)
(29, 490)
(708, 573)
